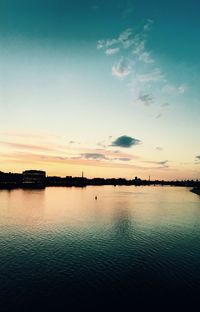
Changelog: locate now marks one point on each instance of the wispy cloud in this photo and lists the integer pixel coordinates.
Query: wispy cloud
(68, 151)
(122, 69)
(116, 153)
(145, 99)
(152, 76)
(172, 89)
(51, 154)
(101, 157)
(123, 159)
(96, 156)
(159, 148)
(112, 51)
(32, 136)
(182, 89)
(148, 25)
(128, 40)
(197, 160)
(26, 146)
(45, 159)
(140, 51)
(137, 63)
(124, 40)
(133, 51)
(125, 141)
(146, 57)
(160, 163)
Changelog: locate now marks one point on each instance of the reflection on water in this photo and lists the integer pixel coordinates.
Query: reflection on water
(122, 222)
(60, 246)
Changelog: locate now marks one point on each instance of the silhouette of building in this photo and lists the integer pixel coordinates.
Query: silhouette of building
(10, 180)
(34, 178)
(137, 181)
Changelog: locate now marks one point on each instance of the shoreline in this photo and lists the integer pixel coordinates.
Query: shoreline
(196, 190)
(42, 187)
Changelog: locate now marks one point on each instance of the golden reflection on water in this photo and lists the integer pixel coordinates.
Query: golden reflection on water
(119, 207)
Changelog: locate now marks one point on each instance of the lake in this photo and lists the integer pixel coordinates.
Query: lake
(61, 248)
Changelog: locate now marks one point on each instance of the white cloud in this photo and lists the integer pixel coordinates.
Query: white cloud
(137, 63)
(112, 51)
(100, 44)
(139, 47)
(169, 89)
(125, 34)
(144, 99)
(182, 89)
(172, 89)
(146, 57)
(124, 40)
(147, 26)
(122, 69)
(154, 75)
(140, 51)
(105, 44)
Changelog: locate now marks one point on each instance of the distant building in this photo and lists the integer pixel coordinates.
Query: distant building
(137, 181)
(34, 177)
(12, 179)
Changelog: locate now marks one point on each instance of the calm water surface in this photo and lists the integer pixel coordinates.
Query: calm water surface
(59, 247)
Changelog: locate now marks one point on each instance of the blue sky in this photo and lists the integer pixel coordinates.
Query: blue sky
(77, 76)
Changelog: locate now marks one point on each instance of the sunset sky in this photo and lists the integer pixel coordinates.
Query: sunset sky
(107, 87)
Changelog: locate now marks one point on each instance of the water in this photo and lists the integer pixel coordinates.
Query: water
(59, 247)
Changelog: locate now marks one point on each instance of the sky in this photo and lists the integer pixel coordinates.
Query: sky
(110, 88)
